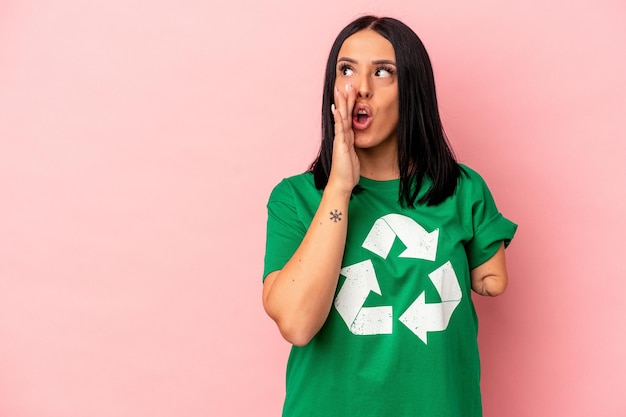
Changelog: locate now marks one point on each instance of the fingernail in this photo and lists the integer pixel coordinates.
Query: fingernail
(332, 107)
(347, 87)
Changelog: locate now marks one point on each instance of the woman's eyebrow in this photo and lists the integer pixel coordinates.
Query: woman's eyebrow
(375, 62)
(383, 61)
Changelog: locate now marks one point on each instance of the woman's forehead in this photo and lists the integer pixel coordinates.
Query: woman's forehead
(367, 45)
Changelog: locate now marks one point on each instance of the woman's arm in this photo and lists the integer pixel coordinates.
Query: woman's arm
(490, 278)
(299, 297)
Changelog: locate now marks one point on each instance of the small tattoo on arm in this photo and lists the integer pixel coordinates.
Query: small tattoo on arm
(335, 216)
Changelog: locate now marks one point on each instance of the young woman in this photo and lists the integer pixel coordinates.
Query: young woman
(372, 254)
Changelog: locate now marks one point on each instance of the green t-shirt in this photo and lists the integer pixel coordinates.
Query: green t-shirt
(401, 337)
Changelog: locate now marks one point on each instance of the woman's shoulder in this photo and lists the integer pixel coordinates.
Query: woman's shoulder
(297, 181)
(471, 183)
(470, 176)
(287, 187)
(467, 172)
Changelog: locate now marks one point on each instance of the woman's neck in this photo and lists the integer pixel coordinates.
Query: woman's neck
(380, 166)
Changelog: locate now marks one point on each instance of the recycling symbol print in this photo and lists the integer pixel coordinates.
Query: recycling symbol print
(420, 317)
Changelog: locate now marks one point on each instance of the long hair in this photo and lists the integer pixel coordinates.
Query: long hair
(423, 149)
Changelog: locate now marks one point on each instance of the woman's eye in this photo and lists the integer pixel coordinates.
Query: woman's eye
(383, 72)
(346, 71)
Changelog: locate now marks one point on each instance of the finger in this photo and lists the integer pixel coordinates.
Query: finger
(338, 123)
(336, 117)
(350, 96)
(341, 102)
(339, 110)
(350, 101)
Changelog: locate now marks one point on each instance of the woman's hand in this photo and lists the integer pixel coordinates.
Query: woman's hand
(345, 169)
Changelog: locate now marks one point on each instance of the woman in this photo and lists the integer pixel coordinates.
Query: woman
(372, 254)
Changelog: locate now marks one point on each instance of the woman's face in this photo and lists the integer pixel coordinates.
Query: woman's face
(367, 61)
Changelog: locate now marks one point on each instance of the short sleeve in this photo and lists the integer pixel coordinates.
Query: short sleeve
(490, 227)
(285, 230)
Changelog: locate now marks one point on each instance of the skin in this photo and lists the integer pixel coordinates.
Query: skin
(366, 63)
(299, 297)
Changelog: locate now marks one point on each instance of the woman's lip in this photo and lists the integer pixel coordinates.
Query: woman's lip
(356, 124)
(361, 125)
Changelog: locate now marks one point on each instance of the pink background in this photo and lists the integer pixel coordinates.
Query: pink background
(139, 142)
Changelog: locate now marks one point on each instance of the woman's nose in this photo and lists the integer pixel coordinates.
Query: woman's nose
(363, 88)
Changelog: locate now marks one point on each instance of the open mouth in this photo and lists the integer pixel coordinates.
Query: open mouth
(361, 117)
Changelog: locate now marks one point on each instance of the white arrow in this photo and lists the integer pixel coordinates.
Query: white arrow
(419, 243)
(422, 318)
(360, 281)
